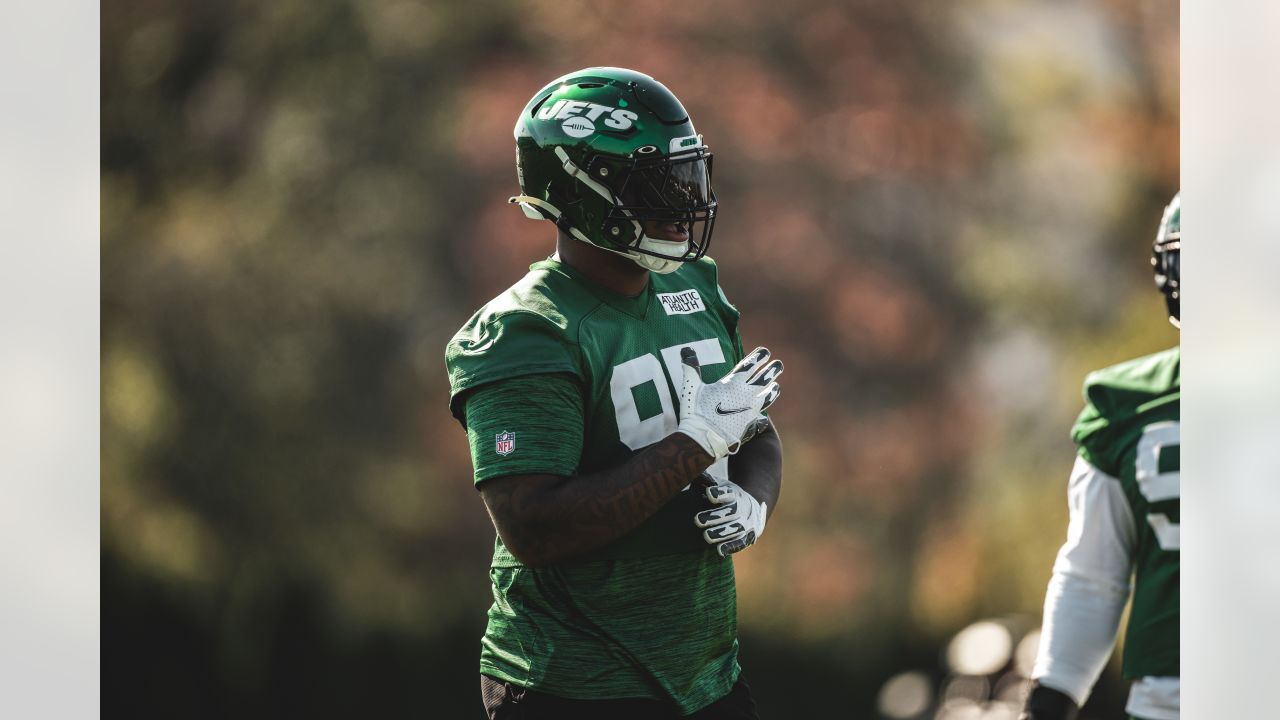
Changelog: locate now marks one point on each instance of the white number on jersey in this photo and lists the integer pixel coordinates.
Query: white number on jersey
(636, 433)
(1155, 485)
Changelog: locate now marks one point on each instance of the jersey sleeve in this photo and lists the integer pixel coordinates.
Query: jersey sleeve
(1090, 584)
(1101, 533)
(531, 424)
(493, 347)
(1091, 431)
(1117, 398)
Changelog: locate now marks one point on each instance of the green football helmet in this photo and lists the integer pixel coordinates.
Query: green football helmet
(1166, 257)
(601, 150)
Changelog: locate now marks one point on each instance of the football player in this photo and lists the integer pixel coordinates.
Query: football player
(618, 431)
(1123, 500)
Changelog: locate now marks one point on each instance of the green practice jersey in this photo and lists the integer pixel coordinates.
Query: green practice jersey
(1129, 430)
(652, 614)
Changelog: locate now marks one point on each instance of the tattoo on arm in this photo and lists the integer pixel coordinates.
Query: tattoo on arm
(543, 519)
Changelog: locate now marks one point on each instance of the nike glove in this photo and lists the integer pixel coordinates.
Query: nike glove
(737, 520)
(723, 415)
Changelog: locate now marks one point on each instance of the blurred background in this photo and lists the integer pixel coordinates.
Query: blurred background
(939, 214)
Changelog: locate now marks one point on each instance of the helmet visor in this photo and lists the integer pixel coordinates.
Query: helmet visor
(675, 188)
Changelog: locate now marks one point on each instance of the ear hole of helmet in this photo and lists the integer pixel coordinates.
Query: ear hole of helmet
(564, 195)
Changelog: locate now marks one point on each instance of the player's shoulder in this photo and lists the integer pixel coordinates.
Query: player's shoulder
(706, 266)
(1126, 395)
(546, 298)
(1155, 373)
(549, 292)
(1127, 386)
(529, 328)
(702, 275)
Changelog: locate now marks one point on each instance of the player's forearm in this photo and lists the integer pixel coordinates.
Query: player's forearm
(544, 519)
(1089, 587)
(757, 467)
(1080, 621)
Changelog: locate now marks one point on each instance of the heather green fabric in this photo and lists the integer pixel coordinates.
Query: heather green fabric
(539, 415)
(1129, 430)
(653, 614)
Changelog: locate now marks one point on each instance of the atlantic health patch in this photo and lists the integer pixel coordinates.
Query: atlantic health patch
(681, 303)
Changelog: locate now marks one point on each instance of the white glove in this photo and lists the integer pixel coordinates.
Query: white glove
(736, 522)
(725, 414)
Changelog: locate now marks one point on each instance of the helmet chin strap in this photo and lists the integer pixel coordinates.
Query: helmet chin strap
(537, 209)
(662, 266)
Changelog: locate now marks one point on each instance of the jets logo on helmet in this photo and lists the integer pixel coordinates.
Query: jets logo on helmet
(581, 125)
(602, 150)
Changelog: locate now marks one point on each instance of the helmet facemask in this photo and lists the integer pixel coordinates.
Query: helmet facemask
(649, 186)
(1166, 259)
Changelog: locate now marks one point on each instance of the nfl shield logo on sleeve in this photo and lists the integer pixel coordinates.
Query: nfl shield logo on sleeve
(506, 443)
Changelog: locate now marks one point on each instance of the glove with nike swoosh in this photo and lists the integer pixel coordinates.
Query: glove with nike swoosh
(723, 415)
(737, 520)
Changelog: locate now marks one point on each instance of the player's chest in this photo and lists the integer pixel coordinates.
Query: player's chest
(635, 370)
(1150, 474)
(615, 343)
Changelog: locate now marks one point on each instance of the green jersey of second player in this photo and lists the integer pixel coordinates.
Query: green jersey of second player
(652, 614)
(1129, 430)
